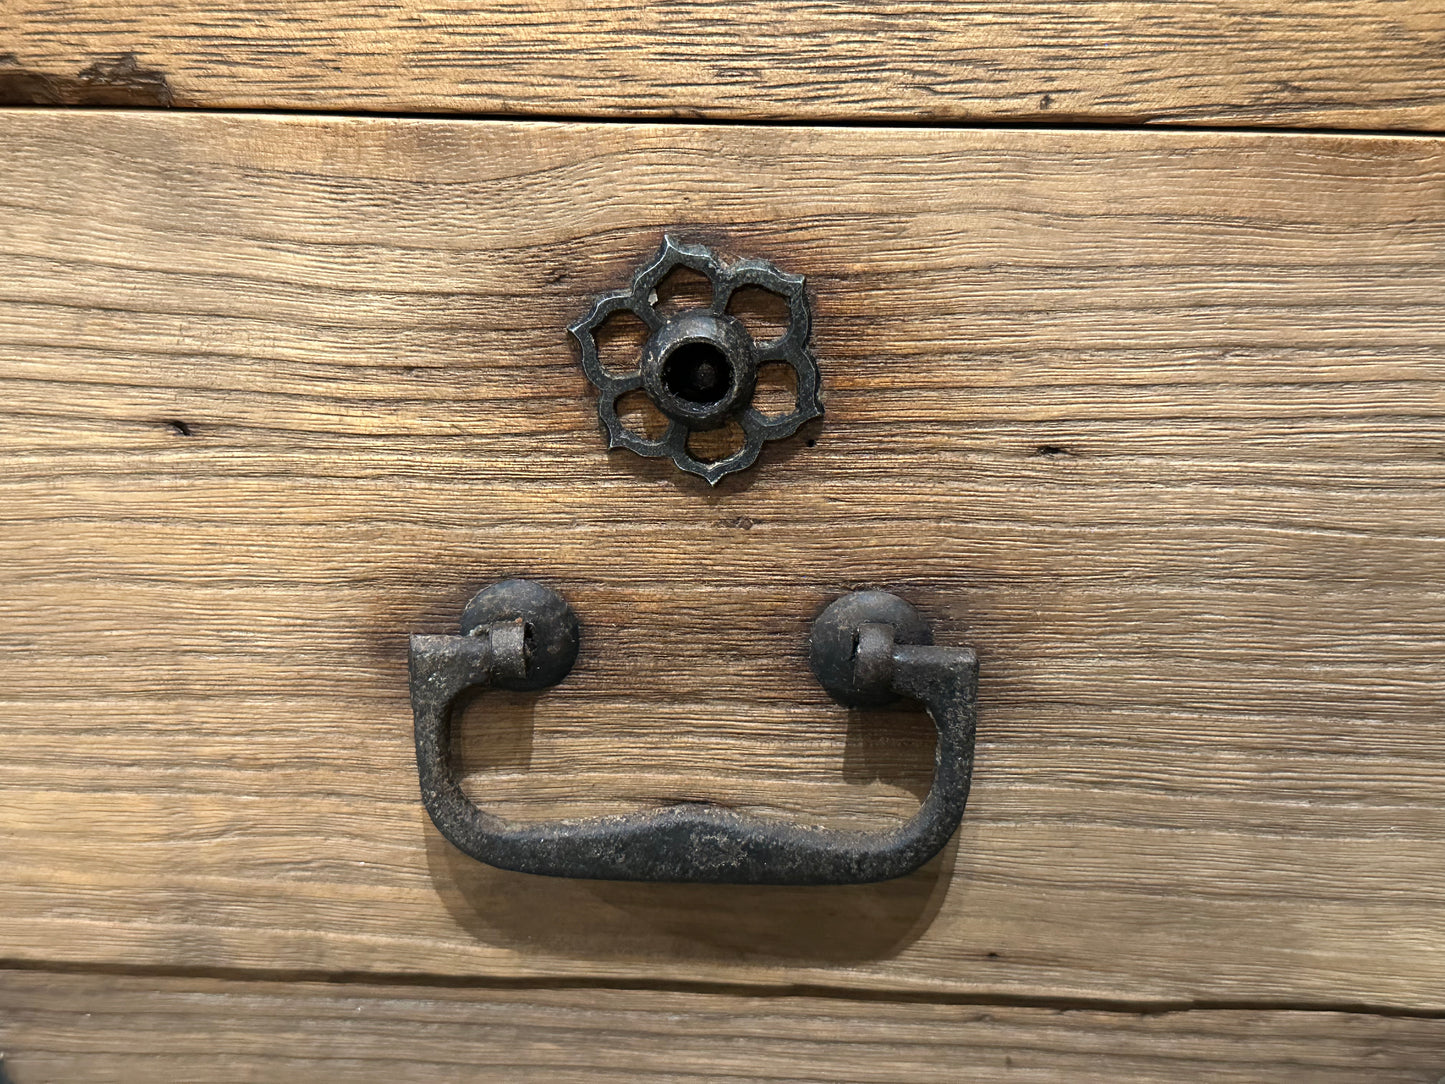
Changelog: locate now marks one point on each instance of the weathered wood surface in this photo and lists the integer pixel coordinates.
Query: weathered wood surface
(102, 1029)
(1325, 63)
(1152, 420)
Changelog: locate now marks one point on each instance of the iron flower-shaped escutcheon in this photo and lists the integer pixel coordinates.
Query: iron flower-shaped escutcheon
(700, 366)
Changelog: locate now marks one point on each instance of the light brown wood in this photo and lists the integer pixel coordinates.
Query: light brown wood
(102, 1028)
(1324, 63)
(1152, 420)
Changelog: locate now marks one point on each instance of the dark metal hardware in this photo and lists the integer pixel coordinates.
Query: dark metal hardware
(700, 366)
(867, 649)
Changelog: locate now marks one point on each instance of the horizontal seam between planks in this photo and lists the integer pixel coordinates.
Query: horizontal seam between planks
(681, 120)
(423, 981)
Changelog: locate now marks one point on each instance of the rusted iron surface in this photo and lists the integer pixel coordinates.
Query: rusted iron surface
(868, 649)
(700, 366)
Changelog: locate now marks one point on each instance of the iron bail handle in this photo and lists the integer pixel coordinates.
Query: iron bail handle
(867, 649)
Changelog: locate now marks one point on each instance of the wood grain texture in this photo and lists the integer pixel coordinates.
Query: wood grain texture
(1152, 420)
(104, 1029)
(1322, 63)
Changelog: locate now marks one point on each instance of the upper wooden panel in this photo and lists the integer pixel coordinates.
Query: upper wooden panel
(1153, 420)
(1336, 63)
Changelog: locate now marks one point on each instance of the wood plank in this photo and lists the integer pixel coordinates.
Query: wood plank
(1153, 420)
(1314, 63)
(108, 1028)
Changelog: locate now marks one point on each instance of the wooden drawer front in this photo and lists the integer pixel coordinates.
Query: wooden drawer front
(1152, 419)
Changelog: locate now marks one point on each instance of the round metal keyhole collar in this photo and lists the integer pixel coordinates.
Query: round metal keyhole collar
(700, 366)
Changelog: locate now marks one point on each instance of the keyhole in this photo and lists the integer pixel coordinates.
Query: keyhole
(697, 372)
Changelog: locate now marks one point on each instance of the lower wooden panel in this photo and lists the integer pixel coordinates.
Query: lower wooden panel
(101, 1029)
(1155, 420)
